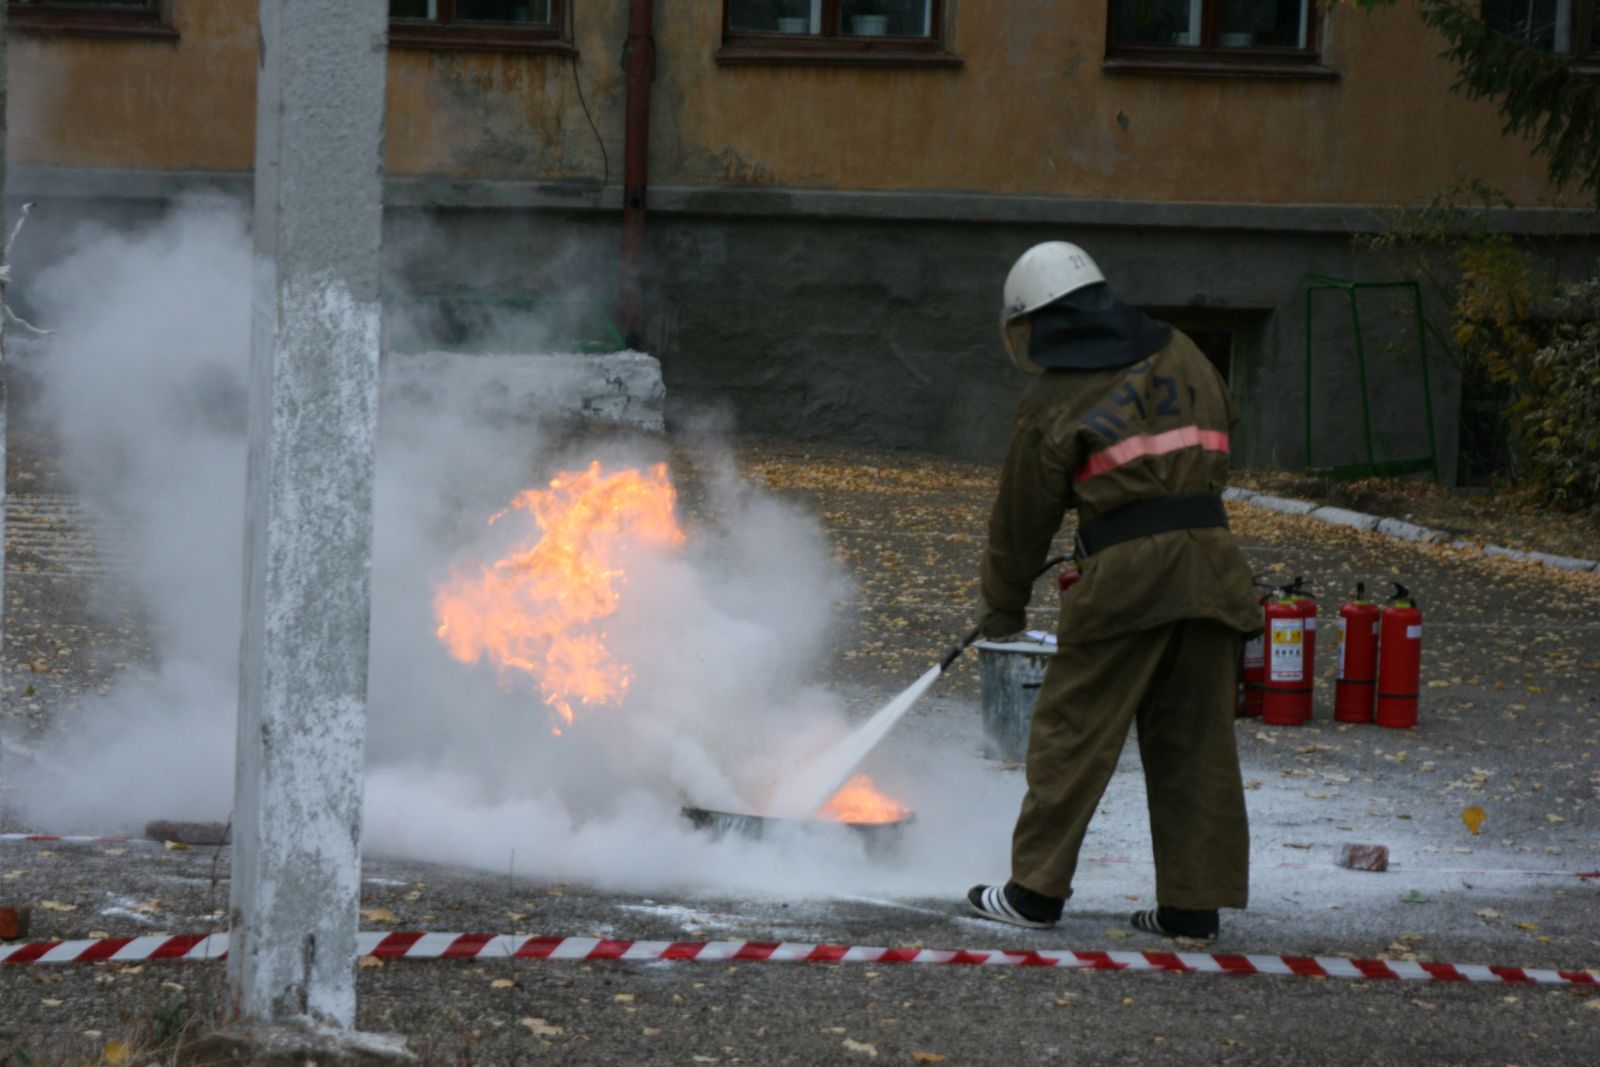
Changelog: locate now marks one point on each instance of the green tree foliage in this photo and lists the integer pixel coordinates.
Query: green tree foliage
(1507, 323)
(1559, 416)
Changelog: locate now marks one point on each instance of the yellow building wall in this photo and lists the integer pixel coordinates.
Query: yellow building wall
(1031, 112)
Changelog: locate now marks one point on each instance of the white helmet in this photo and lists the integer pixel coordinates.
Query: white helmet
(1044, 274)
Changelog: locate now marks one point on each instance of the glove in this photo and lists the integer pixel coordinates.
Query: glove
(992, 622)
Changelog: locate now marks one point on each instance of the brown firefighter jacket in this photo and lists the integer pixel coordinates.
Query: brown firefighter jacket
(1097, 440)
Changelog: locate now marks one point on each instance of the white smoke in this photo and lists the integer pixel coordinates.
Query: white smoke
(145, 385)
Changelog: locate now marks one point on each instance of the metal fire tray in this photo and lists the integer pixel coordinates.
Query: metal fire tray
(878, 836)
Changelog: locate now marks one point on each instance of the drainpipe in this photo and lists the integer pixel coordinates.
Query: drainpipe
(638, 59)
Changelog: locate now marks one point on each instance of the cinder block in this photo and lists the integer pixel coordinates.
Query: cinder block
(1283, 505)
(1563, 563)
(1408, 531)
(1359, 520)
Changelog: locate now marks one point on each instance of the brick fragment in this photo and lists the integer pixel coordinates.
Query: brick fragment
(14, 923)
(1365, 857)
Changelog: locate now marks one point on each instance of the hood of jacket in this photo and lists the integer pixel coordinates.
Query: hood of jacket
(1091, 329)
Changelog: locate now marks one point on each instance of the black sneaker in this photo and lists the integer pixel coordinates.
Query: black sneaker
(1013, 904)
(1200, 924)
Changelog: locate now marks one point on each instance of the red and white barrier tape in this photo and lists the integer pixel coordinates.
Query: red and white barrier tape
(69, 839)
(420, 946)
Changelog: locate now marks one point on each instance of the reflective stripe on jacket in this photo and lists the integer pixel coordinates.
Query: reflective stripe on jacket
(1096, 441)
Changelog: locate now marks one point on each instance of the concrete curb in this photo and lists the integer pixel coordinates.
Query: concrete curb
(1401, 530)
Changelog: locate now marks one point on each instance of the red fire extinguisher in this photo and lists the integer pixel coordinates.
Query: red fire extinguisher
(1065, 580)
(1399, 661)
(1253, 671)
(1356, 676)
(1286, 692)
(1308, 611)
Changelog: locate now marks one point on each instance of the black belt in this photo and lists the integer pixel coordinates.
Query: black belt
(1179, 511)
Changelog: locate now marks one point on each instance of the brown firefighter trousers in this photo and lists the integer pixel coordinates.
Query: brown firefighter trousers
(1178, 682)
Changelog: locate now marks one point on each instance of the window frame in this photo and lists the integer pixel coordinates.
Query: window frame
(1209, 59)
(834, 48)
(444, 33)
(68, 18)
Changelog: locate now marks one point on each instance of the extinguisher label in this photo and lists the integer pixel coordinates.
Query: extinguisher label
(1339, 639)
(1255, 652)
(1414, 633)
(1311, 623)
(1288, 650)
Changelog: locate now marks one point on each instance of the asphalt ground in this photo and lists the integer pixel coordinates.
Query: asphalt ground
(1510, 723)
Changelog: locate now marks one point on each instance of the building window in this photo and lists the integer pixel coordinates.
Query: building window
(488, 25)
(1543, 24)
(828, 31)
(1213, 36)
(90, 18)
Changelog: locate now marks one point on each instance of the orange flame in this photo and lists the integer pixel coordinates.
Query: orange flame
(860, 802)
(540, 609)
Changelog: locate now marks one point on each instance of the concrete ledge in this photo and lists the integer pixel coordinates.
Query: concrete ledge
(1283, 505)
(1344, 517)
(618, 388)
(895, 205)
(1402, 530)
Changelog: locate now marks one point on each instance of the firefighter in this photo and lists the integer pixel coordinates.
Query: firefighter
(1128, 423)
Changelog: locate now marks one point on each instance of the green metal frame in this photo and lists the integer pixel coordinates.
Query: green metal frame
(1316, 283)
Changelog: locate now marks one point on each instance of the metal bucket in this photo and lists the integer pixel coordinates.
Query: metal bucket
(879, 837)
(1009, 676)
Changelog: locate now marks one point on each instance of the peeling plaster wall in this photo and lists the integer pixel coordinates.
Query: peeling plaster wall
(827, 243)
(1030, 112)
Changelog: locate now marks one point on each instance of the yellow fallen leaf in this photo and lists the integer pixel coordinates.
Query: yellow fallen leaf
(367, 963)
(623, 998)
(1117, 935)
(115, 1053)
(379, 915)
(175, 846)
(926, 1057)
(1527, 926)
(865, 1048)
(50, 1002)
(501, 983)
(541, 1027)
(1473, 817)
(56, 905)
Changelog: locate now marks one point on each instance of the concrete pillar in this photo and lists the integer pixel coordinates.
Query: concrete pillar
(308, 520)
(4, 369)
